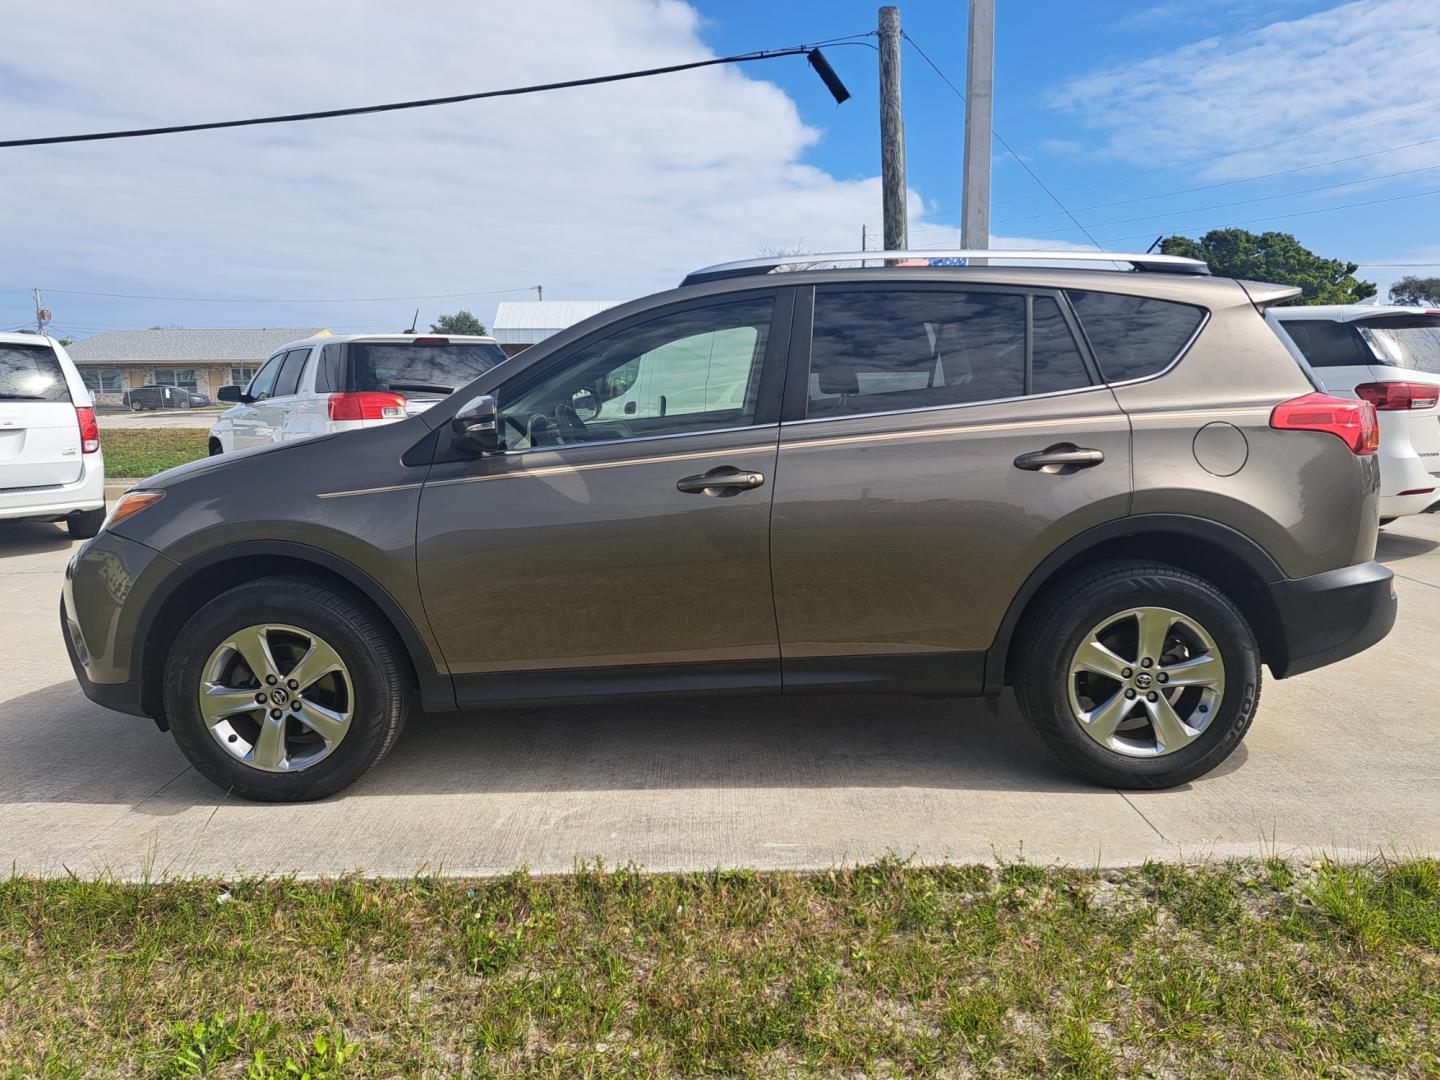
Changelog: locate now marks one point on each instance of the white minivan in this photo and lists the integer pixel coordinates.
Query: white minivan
(335, 383)
(1390, 357)
(51, 467)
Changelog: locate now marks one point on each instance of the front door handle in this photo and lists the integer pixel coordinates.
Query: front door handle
(1060, 458)
(726, 480)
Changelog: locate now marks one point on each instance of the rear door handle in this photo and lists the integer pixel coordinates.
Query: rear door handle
(1060, 458)
(726, 480)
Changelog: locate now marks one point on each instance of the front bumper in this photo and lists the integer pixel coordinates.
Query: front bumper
(1329, 616)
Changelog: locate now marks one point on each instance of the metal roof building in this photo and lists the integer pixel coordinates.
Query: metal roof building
(524, 322)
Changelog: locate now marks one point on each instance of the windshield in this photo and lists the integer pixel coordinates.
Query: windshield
(418, 370)
(1406, 341)
(31, 373)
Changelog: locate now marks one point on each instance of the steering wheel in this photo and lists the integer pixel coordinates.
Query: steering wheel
(562, 426)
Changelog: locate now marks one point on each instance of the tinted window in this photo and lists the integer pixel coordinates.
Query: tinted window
(878, 350)
(694, 369)
(328, 375)
(1406, 341)
(418, 370)
(31, 373)
(1327, 344)
(260, 385)
(1055, 362)
(1133, 336)
(288, 380)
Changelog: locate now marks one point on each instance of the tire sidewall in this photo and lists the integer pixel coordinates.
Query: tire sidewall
(1233, 639)
(378, 706)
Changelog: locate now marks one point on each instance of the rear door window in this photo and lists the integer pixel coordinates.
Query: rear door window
(417, 370)
(288, 379)
(1133, 337)
(884, 350)
(31, 373)
(1326, 343)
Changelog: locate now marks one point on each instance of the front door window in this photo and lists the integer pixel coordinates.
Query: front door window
(692, 370)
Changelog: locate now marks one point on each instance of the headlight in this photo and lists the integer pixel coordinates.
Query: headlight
(132, 502)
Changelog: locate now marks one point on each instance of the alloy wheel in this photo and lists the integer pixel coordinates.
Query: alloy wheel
(1146, 682)
(276, 698)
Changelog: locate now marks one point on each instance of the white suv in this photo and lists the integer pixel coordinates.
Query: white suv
(336, 383)
(51, 467)
(1389, 356)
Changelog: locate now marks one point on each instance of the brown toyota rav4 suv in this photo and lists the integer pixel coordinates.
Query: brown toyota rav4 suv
(1116, 490)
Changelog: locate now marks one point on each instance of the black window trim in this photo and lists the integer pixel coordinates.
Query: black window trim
(797, 381)
(1077, 324)
(284, 365)
(772, 372)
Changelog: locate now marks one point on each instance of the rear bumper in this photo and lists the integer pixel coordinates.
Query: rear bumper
(61, 500)
(1329, 616)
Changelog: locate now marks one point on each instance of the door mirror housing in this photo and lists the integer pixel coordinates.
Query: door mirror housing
(476, 424)
(231, 393)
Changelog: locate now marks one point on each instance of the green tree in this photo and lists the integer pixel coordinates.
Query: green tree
(1277, 257)
(1421, 291)
(462, 322)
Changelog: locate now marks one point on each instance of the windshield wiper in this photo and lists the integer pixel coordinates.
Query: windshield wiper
(423, 387)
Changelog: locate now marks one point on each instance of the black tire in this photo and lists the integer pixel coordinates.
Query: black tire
(364, 643)
(135, 405)
(216, 448)
(85, 524)
(1064, 617)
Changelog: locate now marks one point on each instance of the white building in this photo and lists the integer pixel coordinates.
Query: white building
(519, 324)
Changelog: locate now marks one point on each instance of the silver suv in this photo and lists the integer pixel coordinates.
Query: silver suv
(1118, 492)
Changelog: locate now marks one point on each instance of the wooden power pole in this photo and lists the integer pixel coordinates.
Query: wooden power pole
(979, 99)
(892, 131)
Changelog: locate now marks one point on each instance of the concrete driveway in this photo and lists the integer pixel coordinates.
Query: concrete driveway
(1345, 760)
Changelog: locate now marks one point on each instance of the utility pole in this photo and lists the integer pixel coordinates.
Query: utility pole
(41, 315)
(539, 292)
(892, 131)
(979, 101)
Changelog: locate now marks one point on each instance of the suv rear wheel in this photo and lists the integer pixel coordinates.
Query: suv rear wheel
(84, 524)
(1139, 675)
(285, 689)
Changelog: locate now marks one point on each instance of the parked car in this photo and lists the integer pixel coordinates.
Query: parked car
(51, 465)
(1390, 357)
(163, 397)
(341, 383)
(1117, 492)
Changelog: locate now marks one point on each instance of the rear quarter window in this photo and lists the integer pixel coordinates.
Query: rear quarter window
(31, 373)
(1326, 343)
(1133, 337)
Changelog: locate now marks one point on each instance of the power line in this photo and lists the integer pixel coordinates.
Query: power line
(1241, 150)
(1242, 180)
(1282, 217)
(424, 103)
(293, 300)
(1239, 202)
(1000, 139)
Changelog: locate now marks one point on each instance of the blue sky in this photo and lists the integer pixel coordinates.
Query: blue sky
(1144, 117)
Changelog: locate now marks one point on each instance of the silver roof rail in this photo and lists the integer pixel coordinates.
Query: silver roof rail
(1158, 264)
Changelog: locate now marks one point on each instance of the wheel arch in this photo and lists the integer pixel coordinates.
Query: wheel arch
(1237, 565)
(208, 575)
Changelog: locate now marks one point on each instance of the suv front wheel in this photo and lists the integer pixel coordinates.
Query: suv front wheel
(1138, 675)
(285, 689)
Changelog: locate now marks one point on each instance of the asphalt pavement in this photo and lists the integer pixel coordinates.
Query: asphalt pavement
(1344, 761)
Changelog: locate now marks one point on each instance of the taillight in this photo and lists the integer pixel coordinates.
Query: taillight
(89, 429)
(1354, 422)
(367, 405)
(1391, 396)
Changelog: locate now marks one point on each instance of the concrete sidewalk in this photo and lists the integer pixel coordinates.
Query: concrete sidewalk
(1345, 760)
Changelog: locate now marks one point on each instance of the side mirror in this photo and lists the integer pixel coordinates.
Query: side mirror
(476, 424)
(229, 393)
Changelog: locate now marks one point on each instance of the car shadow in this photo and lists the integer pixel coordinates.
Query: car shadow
(1396, 547)
(32, 538)
(55, 746)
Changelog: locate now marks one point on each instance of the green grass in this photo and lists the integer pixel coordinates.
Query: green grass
(136, 453)
(1239, 969)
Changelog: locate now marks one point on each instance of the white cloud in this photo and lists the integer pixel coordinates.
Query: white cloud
(605, 191)
(1355, 63)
